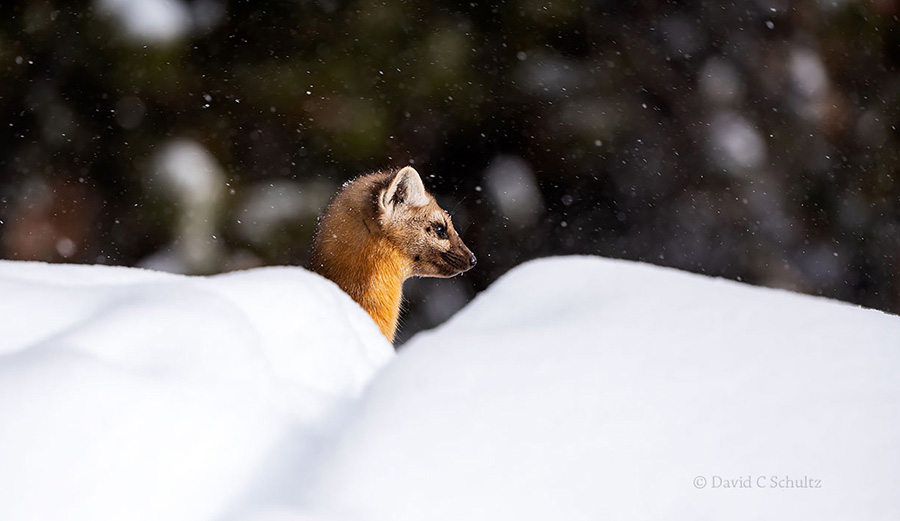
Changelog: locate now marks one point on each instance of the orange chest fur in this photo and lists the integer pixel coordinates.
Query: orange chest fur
(373, 273)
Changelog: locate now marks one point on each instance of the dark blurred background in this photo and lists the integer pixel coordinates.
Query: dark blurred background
(755, 140)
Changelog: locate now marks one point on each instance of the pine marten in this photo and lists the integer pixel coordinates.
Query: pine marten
(378, 231)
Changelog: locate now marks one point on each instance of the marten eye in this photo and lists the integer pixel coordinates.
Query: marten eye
(440, 231)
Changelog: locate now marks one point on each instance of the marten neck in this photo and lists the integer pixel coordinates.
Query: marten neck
(371, 271)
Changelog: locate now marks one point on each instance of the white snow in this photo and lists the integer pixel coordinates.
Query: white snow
(573, 388)
(189, 177)
(512, 185)
(735, 143)
(587, 389)
(150, 21)
(721, 82)
(130, 394)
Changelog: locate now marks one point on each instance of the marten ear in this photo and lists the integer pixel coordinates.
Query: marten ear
(405, 188)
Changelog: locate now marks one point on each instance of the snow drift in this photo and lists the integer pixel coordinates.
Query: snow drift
(573, 388)
(131, 394)
(586, 389)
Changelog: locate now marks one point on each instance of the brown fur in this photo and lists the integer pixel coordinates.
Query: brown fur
(380, 230)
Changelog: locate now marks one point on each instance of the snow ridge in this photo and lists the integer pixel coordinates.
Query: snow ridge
(574, 388)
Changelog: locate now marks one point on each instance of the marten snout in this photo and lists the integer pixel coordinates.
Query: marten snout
(454, 261)
(468, 256)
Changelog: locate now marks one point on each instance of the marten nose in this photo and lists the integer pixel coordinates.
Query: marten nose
(472, 260)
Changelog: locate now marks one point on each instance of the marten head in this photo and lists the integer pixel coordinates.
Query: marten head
(379, 230)
(415, 225)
